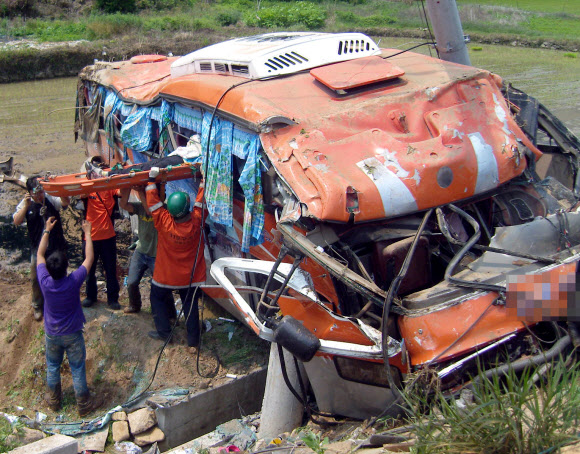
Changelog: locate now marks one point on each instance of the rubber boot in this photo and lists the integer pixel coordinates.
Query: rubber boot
(134, 299)
(88, 403)
(53, 397)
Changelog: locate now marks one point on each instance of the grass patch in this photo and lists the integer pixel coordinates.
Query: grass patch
(235, 344)
(516, 413)
(570, 54)
(531, 19)
(5, 432)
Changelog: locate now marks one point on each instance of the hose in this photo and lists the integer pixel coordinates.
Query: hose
(466, 247)
(536, 360)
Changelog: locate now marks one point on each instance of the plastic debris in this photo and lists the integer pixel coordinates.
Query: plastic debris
(127, 447)
(40, 417)
(174, 392)
(11, 418)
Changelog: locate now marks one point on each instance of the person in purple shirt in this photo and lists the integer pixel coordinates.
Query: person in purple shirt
(64, 320)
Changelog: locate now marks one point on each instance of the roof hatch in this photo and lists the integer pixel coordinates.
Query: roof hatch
(274, 54)
(351, 74)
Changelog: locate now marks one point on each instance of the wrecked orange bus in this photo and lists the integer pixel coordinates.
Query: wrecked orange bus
(367, 206)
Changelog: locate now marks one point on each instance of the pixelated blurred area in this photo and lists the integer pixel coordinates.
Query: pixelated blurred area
(549, 296)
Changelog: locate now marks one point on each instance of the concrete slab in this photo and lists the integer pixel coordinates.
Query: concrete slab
(94, 441)
(56, 444)
(204, 411)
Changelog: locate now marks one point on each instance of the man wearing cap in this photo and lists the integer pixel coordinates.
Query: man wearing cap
(180, 263)
(35, 208)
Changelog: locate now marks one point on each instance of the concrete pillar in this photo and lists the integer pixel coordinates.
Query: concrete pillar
(281, 411)
(448, 32)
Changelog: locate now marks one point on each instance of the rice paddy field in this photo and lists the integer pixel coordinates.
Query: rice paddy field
(544, 6)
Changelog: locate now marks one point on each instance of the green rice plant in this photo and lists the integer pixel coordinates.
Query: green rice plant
(515, 413)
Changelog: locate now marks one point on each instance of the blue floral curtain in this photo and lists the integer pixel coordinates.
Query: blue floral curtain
(223, 140)
(218, 181)
(112, 105)
(136, 131)
(251, 182)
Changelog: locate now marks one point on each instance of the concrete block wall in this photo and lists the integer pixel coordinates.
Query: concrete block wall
(202, 412)
(56, 444)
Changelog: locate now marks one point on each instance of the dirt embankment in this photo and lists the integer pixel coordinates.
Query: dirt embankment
(121, 358)
(29, 61)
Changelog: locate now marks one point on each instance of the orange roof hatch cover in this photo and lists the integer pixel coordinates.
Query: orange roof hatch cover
(356, 73)
(149, 58)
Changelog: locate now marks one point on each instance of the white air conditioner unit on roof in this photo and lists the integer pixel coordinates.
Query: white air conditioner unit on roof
(274, 54)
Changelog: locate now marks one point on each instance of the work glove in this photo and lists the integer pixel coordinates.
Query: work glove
(153, 173)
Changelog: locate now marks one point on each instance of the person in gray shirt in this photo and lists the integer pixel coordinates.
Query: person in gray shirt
(143, 257)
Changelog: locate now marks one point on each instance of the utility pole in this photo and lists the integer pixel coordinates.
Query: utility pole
(446, 24)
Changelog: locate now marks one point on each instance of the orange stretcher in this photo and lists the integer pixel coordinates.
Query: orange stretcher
(78, 183)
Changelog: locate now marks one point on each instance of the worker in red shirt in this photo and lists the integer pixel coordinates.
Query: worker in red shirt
(99, 212)
(180, 263)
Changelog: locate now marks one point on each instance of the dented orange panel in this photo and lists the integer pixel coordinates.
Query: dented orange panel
(477, 321)
(321, 322)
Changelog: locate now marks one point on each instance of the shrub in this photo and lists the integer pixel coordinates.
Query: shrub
(285, 15)
(228, 16)
(346, 17)
(116, 6)
(16, 8)
(156, 5)
(374, 20)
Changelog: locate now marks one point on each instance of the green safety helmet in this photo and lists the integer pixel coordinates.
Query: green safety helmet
(178, 204)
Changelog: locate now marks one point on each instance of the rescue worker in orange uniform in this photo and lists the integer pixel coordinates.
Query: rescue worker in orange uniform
(99, 212)
(180, 248)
